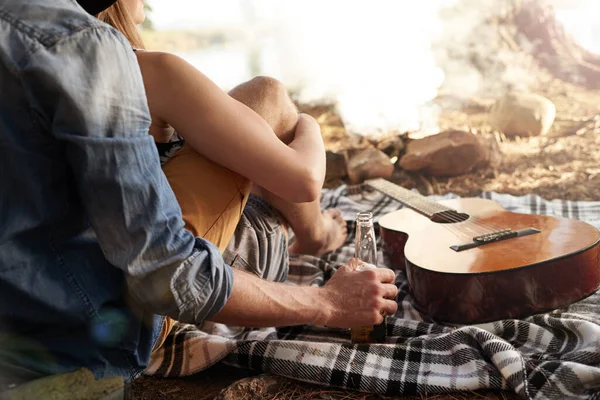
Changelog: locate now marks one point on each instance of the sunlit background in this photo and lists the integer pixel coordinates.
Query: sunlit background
(381, 61)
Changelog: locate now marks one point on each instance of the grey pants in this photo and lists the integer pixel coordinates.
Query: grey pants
(259, 244)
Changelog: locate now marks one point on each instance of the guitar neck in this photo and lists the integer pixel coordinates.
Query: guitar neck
(408, 198)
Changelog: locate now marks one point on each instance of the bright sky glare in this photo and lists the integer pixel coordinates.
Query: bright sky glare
(582, 17)
(183, 14)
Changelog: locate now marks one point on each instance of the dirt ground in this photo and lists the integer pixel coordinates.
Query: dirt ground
(221, 382)
(563, 164)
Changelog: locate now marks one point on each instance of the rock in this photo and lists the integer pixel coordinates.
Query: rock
(76, 385)
(392, 146)
(523, 114)
(493, 153)
(336, 165)
(448, 153)
(369, 163)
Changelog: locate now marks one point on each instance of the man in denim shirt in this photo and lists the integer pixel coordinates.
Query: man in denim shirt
(86, 214)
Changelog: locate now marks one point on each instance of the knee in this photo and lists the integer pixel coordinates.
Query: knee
(269, 98)
(275, 94)
(268, 85)
(261, 90)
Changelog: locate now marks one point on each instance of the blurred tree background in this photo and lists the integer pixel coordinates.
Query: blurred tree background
(147, 24)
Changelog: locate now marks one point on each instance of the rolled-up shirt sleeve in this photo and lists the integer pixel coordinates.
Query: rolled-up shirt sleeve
(88, 92)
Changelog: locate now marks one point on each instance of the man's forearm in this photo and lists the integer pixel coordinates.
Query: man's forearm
(190, 292)
(257, 303)
(350, 298)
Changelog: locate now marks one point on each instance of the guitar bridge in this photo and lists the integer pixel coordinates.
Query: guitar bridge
(494, 237)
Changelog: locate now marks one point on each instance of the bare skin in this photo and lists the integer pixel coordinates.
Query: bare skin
(234, 135)
(230, 133)
(316, 232)
(350, 298)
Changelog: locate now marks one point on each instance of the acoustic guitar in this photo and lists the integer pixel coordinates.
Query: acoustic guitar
(470, 261)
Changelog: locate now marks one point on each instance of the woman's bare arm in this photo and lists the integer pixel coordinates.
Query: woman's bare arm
(230, 133)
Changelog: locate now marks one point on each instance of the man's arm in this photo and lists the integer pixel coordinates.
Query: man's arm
(86, 90)
(350, 298)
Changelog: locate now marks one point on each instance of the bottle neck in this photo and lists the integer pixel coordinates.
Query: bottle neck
(364, 219)
(365, 246)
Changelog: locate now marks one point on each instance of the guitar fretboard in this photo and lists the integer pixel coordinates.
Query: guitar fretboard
(410, 199)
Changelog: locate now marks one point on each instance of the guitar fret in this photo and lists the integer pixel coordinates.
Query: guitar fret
(410, 199)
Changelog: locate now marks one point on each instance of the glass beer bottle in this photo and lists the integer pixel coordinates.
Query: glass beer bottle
(366, 250)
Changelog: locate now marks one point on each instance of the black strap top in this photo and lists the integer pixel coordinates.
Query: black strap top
(168, 149)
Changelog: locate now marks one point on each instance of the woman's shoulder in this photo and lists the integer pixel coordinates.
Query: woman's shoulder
(156, 65)
(159, 60)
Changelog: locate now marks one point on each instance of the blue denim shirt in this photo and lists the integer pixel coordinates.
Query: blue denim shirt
(92, 242)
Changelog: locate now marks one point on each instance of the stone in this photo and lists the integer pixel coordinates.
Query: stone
(492, 153)
(369, 163)
(523, 114)
(392, 146)
(336, 167)
(449, 153)
(76, 385)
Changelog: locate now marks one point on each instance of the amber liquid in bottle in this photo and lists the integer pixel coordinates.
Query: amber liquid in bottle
(366, 251)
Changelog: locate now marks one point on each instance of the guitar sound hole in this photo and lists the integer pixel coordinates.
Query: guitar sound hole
(449, 217)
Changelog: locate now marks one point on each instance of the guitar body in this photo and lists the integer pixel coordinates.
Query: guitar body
(512, 278)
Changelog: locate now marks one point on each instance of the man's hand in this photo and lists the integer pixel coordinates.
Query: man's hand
(357, 297)
(352, 297)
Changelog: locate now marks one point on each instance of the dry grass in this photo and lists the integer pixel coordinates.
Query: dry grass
(564, 164)
(290, 390)
(226, 383)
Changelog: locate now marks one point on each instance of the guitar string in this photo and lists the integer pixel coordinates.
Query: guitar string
(481, 227)
(456, 230)
(487, 225)
(472, 226)
(466, 228)
(438, 208)
(473, 221)
(477, 228)
(416, 203)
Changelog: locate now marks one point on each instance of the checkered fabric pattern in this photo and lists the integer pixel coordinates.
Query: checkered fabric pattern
(548, 356)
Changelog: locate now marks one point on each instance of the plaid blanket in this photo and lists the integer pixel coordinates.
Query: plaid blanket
(549, 356)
